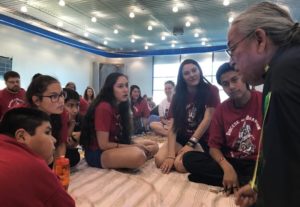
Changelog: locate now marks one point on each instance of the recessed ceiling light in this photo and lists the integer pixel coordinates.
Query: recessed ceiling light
(61, 3)
(60, 24)
(116, 31)
(24, 9)
(131, 15)
(196, 35)
(150, 28)
(173, 45)
(146, 47)
(86, 34)
(203, 43)
(226, 2)
(105, 42)
(175, 9)
(230, 19)
(163, 37)
(94, 19)
(132, 40)
(188, 24)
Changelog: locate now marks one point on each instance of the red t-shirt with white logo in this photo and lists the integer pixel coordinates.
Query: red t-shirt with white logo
(236, 131)
(10, 100)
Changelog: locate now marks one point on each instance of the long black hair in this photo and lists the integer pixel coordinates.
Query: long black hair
(106, 94)
(180, 98)
(37, 87)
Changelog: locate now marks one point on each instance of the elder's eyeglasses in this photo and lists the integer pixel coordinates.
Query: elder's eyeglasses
(55, 97)
(231, 49)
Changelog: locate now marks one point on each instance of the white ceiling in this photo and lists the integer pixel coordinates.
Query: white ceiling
(208, 18)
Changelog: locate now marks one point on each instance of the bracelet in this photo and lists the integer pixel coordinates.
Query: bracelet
(194, 139)
(169, 157)
(191, 144)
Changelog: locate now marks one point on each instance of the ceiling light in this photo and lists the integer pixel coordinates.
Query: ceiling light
(203, 43)
(175, 9)
(173, 45)
(146, 47)
(163, 37)
(131, 15)
(149, 27)
(132, 40)
(60, 24)
(116, 31)
(61, 3)
(105, 42)
(94, 19)
(24, 9)
(230, 19)
(196, 35)
(188, 24)
(226, 2)
(86, 34)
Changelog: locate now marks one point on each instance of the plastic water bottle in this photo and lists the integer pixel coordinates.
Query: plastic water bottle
(62, 170)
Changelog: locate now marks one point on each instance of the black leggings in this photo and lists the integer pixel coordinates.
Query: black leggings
(206, 170)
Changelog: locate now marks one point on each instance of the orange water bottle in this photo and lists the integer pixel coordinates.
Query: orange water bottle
(62, 170)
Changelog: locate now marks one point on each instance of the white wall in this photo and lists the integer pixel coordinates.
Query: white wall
(139, 72)
(34, 54)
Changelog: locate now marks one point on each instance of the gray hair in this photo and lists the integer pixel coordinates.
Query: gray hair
(273, 19)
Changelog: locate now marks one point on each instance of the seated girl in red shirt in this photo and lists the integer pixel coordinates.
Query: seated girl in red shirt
(140, 110)
(106, 128)
(190, 113)
(45, 93)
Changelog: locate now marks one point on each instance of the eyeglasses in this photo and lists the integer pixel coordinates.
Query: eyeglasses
(55, 97)
(231, 49)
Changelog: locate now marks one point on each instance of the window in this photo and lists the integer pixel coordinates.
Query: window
(5, 65)
(166, 68)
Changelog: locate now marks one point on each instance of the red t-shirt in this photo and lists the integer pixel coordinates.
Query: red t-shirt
(26, 179)
(236, 131)
(10, 100)
(141, 109)
(83, 106)
(107, 119)
(191, 123)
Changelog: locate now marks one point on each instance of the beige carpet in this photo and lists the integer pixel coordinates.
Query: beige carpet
(141, 188)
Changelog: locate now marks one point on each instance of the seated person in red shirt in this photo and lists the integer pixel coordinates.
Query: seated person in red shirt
(106, 129)
(74, 125)
(140, 110)
(234, 136)
(26, 147)
(191, 110)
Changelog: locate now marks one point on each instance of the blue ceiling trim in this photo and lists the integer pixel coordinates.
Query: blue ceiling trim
(9, 21)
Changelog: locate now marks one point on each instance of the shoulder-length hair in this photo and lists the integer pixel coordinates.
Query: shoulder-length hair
(106, 94)
(180, 98)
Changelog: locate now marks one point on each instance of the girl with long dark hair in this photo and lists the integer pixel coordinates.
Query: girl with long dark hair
(45, 93)
(89, 95)
(190, 114)
(106, 129)
(140, 110)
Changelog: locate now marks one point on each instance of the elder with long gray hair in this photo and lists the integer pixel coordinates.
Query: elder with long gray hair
(264, 45)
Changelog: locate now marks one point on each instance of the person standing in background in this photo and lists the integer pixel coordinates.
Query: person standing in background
(13, 95)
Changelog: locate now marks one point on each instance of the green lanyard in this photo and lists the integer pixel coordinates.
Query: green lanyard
(259, 159)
